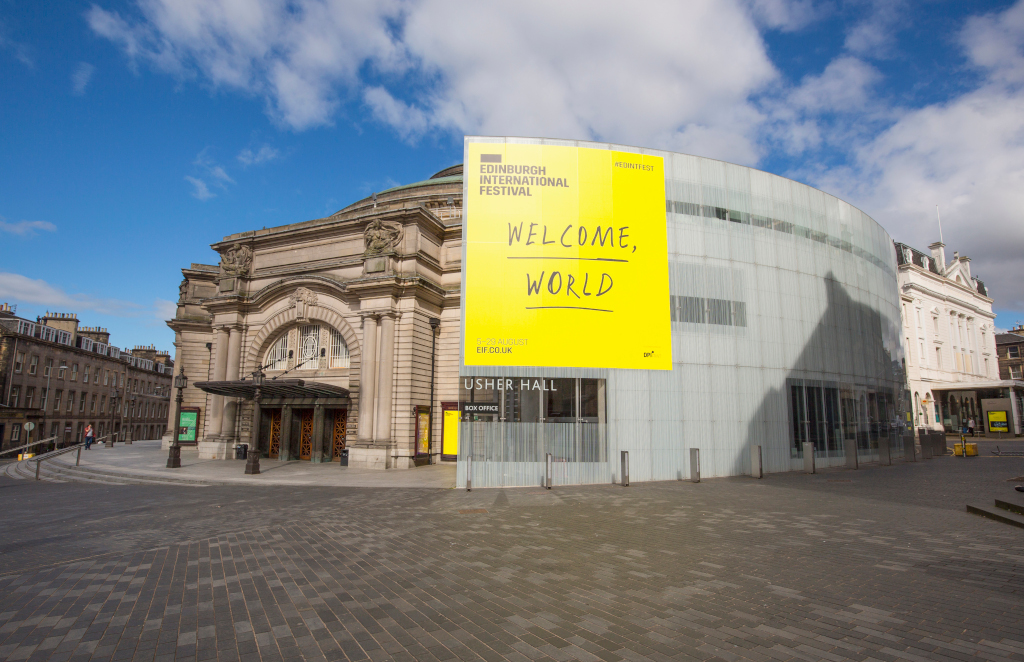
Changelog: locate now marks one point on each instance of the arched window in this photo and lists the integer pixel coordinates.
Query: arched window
(313, 346)
(277, 357)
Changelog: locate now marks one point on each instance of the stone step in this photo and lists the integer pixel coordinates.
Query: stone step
(27, 469)
(1012, 507)
(998, 515)
(71, 470)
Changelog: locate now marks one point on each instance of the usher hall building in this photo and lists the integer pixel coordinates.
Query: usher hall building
(781, 316)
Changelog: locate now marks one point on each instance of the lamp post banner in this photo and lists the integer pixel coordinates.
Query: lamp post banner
(187, 425)
(566, 258)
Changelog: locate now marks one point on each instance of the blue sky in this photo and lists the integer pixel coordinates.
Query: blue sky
(135, 133)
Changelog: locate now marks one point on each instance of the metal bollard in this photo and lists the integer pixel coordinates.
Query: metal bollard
(756, 467)
(694, 465)
(469, 473)
(79, 460)
(37, 469)
(808, 458)
(625, 468)
(850, 446)
(547, 471)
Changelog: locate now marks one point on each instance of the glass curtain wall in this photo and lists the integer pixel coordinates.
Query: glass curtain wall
(509, 426)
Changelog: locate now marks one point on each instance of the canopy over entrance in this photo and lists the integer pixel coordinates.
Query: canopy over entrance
(274, 389)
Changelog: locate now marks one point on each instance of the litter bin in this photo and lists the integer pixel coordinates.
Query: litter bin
(241, 451)
(343, 458)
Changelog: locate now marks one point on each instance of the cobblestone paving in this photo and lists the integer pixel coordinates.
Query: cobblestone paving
(878, 564)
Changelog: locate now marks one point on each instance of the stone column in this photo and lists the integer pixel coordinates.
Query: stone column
(286, 434)
(318, 434)
(220, 368)
(382, 429)
(227, 427)
(367, 373)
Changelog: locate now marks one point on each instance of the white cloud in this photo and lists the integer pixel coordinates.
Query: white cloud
(26, 228)
(81, 77)
(163, 310)
(785, 15)
(15, 287)
(578, 69)
(200, 190)
(875, 35)
(19, 50)
(965, 155)
(264, 154)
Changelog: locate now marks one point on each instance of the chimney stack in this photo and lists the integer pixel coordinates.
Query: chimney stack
(938, 250)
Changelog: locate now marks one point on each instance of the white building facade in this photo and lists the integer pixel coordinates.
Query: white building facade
(949, 334)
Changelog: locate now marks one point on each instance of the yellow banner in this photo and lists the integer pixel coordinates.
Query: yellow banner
(566, 258)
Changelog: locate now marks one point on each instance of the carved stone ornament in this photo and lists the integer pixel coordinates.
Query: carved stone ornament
(301, 298)
(381, 237)
(183, 290)
(237, 261)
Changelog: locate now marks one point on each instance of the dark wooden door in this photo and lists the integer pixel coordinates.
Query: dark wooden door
(338, 431)
(306, 434)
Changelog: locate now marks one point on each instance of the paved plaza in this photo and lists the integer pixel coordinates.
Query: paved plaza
(876, 564)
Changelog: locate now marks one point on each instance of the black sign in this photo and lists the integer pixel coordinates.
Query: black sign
(478, 407)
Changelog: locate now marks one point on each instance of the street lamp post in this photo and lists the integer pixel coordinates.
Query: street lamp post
(174, 452)
(252, 458)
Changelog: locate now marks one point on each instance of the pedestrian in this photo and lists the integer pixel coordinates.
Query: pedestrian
(970, 426)
(89, 436)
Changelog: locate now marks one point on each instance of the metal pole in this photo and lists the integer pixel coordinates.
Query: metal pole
(547, 470)
(625, 468)
(469, 473)
(37, 469)
(433, 361)
(252, 458)
(174, 453)
(79, 460)
(695, 465)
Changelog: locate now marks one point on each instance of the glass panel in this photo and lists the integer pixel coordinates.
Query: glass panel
(309, 343)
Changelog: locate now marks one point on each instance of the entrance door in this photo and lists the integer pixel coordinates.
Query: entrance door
(338, 432)
(275, 433)
(305, 434)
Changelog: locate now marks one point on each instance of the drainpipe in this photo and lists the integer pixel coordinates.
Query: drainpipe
(435, 323)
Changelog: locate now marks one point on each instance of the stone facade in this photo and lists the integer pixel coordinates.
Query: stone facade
(1011, 353)
(949, 332)
(344, 300)
(63, 376)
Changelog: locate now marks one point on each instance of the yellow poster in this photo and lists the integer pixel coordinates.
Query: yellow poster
(450, 442)
(566, 258)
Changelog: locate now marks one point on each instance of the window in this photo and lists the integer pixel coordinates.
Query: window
(74, 372)
(309, 344)
(81, 402)
(922, 353)
(919, 324)
(42, 403)
(33, 364)
(339, 351)
(92, 405)
(85, 375)
(62, 369)
(96, 378)
(276, 357)
(54, 428)
(56, 399)
(1015, 372)
(122, 380)
(30, 394)
(938, 358)
(71, 401)
(15, 433)
(1013, 352)
(103, 404)
(106, 377)
(48, 368)
(12, 400)
(19, 362)
(935, 325)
